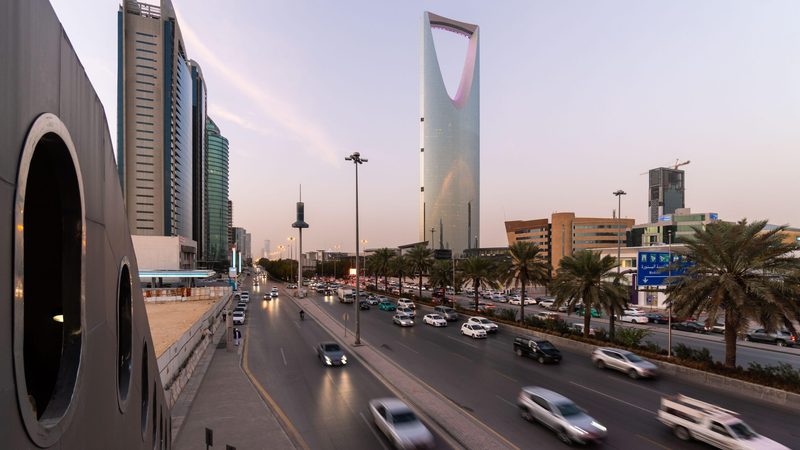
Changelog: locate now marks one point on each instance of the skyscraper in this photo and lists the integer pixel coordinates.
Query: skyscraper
(154, 95)
(266, 249)
(450, 147)
(666, 192)
(217, 206)
(199, 157)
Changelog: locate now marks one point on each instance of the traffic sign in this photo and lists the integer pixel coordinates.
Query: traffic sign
(653, 268)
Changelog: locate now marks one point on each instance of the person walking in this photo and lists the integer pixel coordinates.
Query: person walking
(237, 336)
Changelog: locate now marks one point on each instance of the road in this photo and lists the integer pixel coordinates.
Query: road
(485, 376)
(327, 405)
(746, 353)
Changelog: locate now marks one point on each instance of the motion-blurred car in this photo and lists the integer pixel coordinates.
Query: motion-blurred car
(560, 414)
(447, 312)
(404, 320)
(538, 349)
(634, 317)
(657, 318)
(404, 302)
(781, 338)
(407, 310)
(624, 361)
(386, 306)
(595, 313)
(693, 327)
(435, 320)
(331, 354)
(472, 330)
(487, 324)
(363, 304)
(400, 425)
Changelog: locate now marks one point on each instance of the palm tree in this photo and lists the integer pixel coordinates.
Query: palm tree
(526, 268)
(372, 267)
(481, 272)
(399, 267)
(588, 278)
(441, 275)
(740, 271)
(420, 259)
(382, 258)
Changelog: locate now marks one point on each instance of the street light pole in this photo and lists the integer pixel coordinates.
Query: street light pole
(432, 230)
(669, 319)
(619, 193)
(357, 159)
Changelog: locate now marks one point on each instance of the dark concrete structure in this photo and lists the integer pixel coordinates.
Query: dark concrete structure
(77, 366)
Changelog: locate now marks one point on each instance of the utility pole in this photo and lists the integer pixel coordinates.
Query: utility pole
(357, 159)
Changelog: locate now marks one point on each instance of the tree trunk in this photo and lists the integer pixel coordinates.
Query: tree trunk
(385, 282)
(587, 318)
(522, 305)
(475, 286)
(420, 285)
(731, 326)
(610, 323)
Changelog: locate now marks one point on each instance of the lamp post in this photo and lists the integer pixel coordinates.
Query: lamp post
(364, 264)
(291, 257)
(669, 313)
(619, 193)
(357, 159)
(432, 231)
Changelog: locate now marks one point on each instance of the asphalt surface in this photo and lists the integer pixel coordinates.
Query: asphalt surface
(328, 406)
(484, 377)
(764, 354)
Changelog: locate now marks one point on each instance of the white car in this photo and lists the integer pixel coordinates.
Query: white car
(473, 330)
(634, 317)
(400, 425)
(238, 318)
(435, 320)
(244, 296)
(517, 301)
(404, 320)
(405, 303)
(487, 324)
(547, 303)
(500, 298)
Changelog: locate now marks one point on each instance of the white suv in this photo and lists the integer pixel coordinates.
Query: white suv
(487, 324)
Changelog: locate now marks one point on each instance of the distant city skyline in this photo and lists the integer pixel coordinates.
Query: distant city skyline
(578, 99)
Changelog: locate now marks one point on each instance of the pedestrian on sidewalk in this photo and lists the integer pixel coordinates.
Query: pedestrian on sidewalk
(237, 336)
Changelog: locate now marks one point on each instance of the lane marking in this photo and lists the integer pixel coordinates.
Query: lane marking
(407, 347)
(283, 355)
(372, 429)
(288, 426)
(513, 405)
(461, 341)
(612, 397)
(638, 385)
(653, 442)
(506, 376)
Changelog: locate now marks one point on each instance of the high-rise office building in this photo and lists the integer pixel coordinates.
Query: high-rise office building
(217, 205)
(450, 147)
(265, 252)
(230, 225)
(666, 192)
(199, 157)
(247, 249)
(154, 96)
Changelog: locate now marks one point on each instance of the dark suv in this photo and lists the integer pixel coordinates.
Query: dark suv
(538, 349)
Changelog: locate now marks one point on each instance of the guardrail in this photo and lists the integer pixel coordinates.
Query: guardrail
(177, 363)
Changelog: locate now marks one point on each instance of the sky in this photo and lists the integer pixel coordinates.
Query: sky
(578, 99)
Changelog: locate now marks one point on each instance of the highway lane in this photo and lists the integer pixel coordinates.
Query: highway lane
(763, 354)
(485, 376)
(327, 405)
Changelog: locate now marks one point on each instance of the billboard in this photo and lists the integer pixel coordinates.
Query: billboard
(653, 267)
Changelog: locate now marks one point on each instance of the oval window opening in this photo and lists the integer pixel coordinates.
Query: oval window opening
(124, 332)
(52, 227)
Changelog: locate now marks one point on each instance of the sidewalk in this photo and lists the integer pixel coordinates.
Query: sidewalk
(465, 429)
(223, 400)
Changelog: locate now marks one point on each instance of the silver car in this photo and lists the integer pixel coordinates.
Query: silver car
(553, 410)
(624, 361)
(396, 420)
(404, 320)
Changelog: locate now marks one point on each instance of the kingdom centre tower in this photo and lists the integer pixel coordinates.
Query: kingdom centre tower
(450, 144)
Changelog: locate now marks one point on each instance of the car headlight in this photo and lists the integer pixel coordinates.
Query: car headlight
(598, 426)
(344, 359)
(578, 429)
(327, 360)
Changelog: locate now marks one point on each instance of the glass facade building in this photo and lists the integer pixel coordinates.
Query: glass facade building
(199, 195)
(450, 144)
(666, 192)
(218, 206)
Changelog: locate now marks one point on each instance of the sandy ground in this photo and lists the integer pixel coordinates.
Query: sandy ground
(168, 321)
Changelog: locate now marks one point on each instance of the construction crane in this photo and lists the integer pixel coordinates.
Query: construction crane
(672, 166)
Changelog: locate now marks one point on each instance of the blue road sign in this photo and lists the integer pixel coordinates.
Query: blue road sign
(653, 268)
